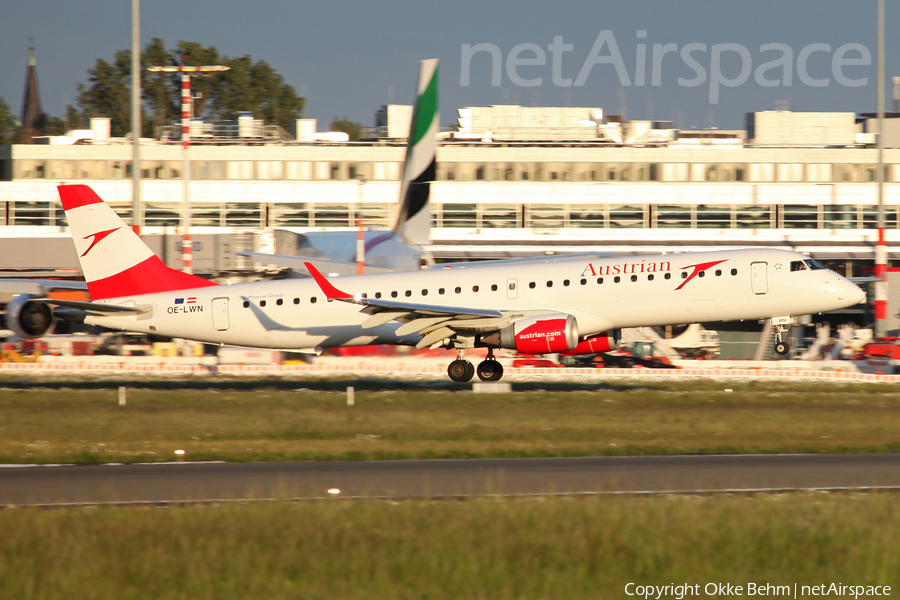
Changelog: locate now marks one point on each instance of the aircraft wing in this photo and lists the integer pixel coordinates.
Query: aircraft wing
(299, 263)
(433, 322)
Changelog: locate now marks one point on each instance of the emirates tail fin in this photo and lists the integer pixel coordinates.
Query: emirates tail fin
(414, 216)
(114, 260)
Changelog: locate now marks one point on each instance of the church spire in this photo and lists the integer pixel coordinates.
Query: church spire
(31, 105)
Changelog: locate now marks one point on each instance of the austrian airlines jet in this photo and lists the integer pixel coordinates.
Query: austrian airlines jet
(547, 306)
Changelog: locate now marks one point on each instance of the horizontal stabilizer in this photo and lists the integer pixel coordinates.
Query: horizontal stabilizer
(95, 307)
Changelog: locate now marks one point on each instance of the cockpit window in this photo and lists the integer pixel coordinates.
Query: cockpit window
(815, 265)
(798, 265)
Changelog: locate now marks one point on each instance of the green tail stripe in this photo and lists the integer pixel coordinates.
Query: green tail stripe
(426, 110)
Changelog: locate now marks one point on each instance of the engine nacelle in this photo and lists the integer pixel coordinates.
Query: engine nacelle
(29, 320)
(546, 334)
(604, 342)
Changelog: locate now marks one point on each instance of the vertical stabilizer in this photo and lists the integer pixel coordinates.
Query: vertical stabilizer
(414, 215)
(114, 260)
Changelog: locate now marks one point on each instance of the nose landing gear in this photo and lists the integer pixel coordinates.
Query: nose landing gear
(781, 347)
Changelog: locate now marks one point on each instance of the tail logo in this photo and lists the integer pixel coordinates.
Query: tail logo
(98, 237)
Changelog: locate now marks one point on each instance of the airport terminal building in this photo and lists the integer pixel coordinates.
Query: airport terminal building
(511, 181)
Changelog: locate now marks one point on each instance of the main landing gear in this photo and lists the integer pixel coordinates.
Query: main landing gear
(461, 370)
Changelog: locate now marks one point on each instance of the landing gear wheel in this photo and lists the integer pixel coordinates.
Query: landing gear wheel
(460, 370)
(781, 348)
(490, 370)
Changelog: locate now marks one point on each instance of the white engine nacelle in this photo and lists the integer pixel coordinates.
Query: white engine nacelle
(546, 334)
(29, 320)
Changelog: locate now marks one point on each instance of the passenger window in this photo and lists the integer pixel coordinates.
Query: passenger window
(718, 272)
(296, 300)
(531, 285)
(684, 274)
(458, 290)
(393, 294)
(599, 280)
(668, 276)
(617, 279)
(734, 272)
(494, 287)
(549, 284)
(408, 293)
(246, 304)
(565, 282)
(584, 282)
(649, 277)
(312, 300)
(441, 291)
(474, 288)
(634, 278)
(377, 295)
(279, 302)
(701, 274)
(424, 292)
(262, 302)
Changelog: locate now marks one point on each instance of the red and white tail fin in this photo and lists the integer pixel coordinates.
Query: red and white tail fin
(113, 258)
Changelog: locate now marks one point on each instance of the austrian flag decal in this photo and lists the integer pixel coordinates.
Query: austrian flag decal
(185, 300)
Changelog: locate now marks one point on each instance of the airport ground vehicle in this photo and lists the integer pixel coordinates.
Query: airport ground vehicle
(640, 354)
(883, 353)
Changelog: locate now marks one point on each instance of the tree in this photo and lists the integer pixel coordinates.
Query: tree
(347, 126)
(158, 89)
(249, 86)
(8, 124)
(258, 88)
(47, 125)
(109, 93)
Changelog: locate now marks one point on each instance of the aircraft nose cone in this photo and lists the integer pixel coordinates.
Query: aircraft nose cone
(849, 292)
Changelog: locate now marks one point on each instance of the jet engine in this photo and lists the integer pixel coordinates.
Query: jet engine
(29, 320)
(545, 334)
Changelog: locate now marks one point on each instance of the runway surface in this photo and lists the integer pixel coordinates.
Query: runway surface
(193, 482)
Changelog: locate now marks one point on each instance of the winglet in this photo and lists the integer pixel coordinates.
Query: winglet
(331, 292)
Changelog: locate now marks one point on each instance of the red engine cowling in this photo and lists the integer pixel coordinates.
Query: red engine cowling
(546, 334)
(598, 344)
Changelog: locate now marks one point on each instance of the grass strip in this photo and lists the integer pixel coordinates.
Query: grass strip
(269, 423)
(486, 548)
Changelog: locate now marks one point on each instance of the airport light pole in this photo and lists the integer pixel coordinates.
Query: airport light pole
(136, 115)
(881, 246)
(186, 71)
(360, 232)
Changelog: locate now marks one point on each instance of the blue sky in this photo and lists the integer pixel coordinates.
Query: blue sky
(348, 58)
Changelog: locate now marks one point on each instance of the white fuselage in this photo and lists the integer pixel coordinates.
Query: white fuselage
(294, 313)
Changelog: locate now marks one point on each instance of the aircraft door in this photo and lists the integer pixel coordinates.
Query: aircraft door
(512, 289)
(220, 314)
(759, 281)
